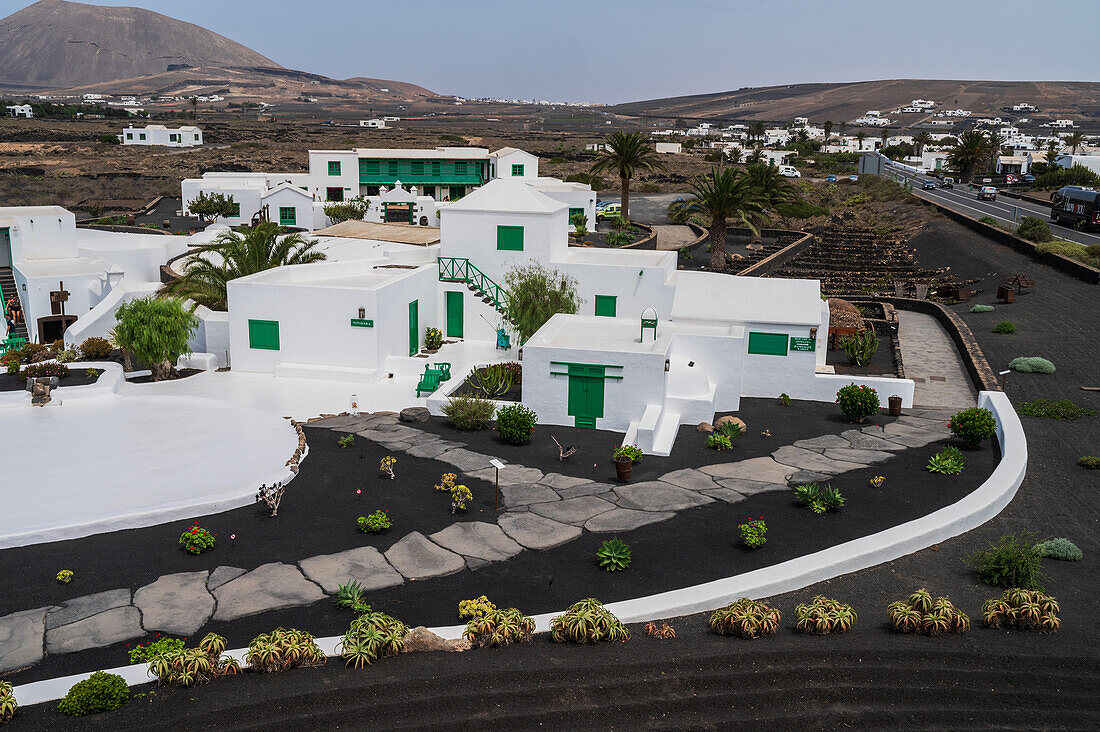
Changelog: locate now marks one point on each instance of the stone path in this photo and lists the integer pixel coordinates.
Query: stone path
(932, 361)
(670, 237)
(542, 511)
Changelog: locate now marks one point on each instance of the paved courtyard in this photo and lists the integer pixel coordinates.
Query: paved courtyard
(932, 361)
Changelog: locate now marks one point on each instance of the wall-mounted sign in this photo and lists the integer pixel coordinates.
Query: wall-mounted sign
(803, 344)
(361, 323)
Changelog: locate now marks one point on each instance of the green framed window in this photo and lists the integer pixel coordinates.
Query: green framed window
(418, 167)
(393, 167)
(335, 193)
(141, 135)
(334, 167)
(605, 306)
(517, 170)
(437, 170)
(129, 135)
(196, 138)
(263, 334)
(372, 167)
(768, 344)
(288, 216)
(236, 210)
(460, 168)
(574, 211)
(510, 238)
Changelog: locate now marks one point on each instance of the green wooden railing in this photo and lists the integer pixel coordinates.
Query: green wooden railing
(460, 268)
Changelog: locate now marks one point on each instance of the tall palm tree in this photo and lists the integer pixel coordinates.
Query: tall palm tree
(772, 189)
(232, 255)
(756, 156)
(1074, 140)
(1052, 151)
(756, 131)
(921, 140)
(721, 195)
(970, 153)
(734, 155)
(861, 136)
(802, 136)
(994, 142)
(885, 135)
(828, 130)
(627, 153)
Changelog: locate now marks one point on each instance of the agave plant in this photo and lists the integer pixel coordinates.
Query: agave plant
(822, 615)
(587, 621)
(212, 645)
(373, 635)
(921, 600)
(921, 613)
(500, 628)
(1022, 609)
(746, 618)
(613, 555)
(8, 704)
(283, 649)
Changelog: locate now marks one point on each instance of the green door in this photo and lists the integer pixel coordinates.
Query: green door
(585, 394)
(414, 327)
(454, 315)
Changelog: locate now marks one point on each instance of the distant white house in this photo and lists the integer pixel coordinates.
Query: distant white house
(186, 136)
(21, 110)
(669, 147)
(374, 124)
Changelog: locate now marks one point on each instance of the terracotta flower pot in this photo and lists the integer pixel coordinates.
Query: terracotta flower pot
(623, 466)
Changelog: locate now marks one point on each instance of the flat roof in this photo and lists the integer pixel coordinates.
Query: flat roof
(398, 233)
(623, 257)
(594, 333)
(436, 153)
(720, 297)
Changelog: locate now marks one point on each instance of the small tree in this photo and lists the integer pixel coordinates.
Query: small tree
(535, 294)
(157, 331)
(580, 224)
(353, 209)
(210, 207)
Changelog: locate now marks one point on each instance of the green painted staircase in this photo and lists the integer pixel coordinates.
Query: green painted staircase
(7, 287)
(460, 269)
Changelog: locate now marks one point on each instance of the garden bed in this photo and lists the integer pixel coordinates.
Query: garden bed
(881, 363)
(76, 377)
(148, 378)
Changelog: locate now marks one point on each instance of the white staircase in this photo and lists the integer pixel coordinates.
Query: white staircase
(689, 399)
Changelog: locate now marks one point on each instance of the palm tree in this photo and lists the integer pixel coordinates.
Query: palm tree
(756, 130)
(626, 153)
(1052, 151)
(1074, 140)
(236, 255)
(756, 156)
(734, 155)
(802, 136)
(720, 195)
(971, 152)
(193, 102)
(772, 190)
(861, 136)
(828, 130)
(921, 140)
(885, 136)
(994, 141)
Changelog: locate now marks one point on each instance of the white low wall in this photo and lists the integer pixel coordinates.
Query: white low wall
(968, 513)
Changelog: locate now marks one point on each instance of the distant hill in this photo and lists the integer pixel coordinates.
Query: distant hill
(841, 102)
(54, 43)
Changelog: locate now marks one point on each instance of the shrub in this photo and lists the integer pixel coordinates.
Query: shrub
(157, 331)
(29, 353)
(385, 466)
(1089, 255)
(948, 461)
(433, 339)
(822, 616)
(197, 540)
(746, 618)
(1012, 562)
(500, 628)
(8, 704)
(818, 499)
(475, 608)
(1022, 609)
(346, 441)
(468, 412)
(1053, 409)
(730, 429)
(587, 621)
(716, 441)
(857, 402)
(535, 294)
(353, 209)
(1034, 229)
(65, 576)
(1005, 327)
(191, 666)
(753, 532)
(371, 636)
(460, 494)
(516, 424)
(987, 220)
(95, 349)
(68, 355)
(631, 451)
(616, 239)
(1062, 549)
(446, 482)
(982, 309)
(376, 522)
(800, 210)
(350, 597)
(1031, 365)
(283, 649)
(1090, 462)
(919, 613)
(613, 555)
(102, 692)
(664, 630)
(785, 399)
(109, 139)
(973, 425)
(145, 652)
(492, 381)
(45, 370)
(12, 365)
(861, 347)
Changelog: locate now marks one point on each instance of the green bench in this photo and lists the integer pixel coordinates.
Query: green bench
(434, 375)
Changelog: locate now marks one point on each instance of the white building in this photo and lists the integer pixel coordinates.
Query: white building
(21, 110)
(1060, 123)
(1024, 107)
(1092, 162)
(186, 136)
(374, 124)
(671, 148)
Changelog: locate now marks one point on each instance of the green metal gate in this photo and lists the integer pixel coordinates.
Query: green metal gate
(454, 314)
(414, 327)
(586, 390)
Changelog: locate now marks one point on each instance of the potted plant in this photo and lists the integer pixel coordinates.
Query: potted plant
(624, 457)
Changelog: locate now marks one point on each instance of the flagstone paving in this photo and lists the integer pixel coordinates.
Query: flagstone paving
(543, 511)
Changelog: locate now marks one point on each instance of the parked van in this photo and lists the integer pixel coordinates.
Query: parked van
(789, 171)
(1071, 204)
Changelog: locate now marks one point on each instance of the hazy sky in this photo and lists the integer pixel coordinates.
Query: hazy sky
(621, 50)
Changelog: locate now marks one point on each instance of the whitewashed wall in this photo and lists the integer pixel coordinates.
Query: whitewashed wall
(473, 234)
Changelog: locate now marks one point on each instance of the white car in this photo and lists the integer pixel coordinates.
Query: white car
(789, 171)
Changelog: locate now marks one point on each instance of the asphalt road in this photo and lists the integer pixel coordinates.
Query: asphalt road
(963, 200)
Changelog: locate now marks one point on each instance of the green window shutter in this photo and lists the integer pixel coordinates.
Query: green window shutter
(263, 334)
(768, 344)
(394, 166)
(460, 168)
(437, 170)
(288, 216)
(510, 238)
(141, 135)
(334, 167)
(372, 167)
(418, 167)
(129, 135)
(336, 193)
(236, 209)
(517, 170)
(605, 305)
(574, 211)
